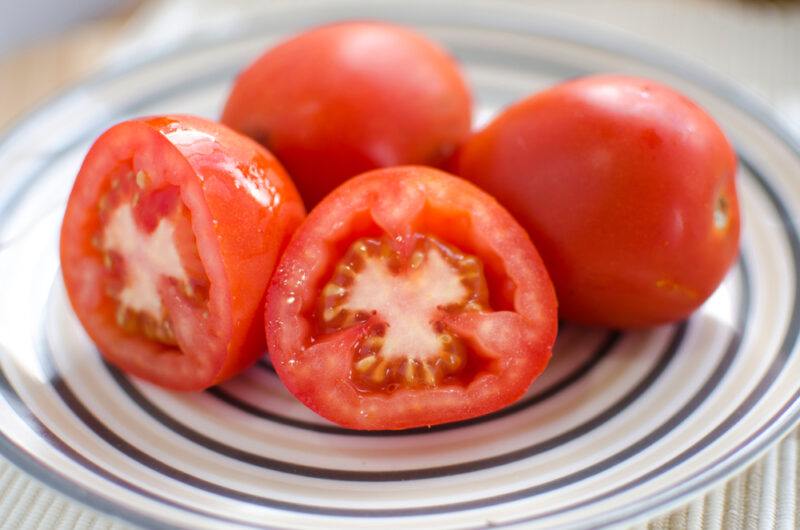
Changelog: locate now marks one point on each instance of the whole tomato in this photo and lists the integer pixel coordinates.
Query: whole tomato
(342, 99)
(627, 189)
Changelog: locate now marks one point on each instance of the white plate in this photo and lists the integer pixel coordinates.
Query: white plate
(620, 426)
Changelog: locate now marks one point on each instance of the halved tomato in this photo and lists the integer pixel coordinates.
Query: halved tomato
(170, 236)
(407, 298)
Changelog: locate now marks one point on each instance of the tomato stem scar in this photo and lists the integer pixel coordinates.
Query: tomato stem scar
(721, 213)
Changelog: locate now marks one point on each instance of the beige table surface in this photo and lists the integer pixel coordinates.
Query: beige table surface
(755, 44)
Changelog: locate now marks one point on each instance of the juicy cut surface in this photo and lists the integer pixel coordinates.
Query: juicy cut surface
(148, 258)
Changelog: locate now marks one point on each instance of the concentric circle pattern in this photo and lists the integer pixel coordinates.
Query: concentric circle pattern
(620, 425)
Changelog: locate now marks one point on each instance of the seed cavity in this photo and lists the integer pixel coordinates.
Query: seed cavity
(404, 298)
(136, 261)
(135, 322)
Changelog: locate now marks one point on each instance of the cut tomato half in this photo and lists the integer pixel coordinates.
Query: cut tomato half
(408, 298)
(170, 236)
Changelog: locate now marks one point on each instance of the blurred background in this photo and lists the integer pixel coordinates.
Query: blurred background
(47, 44)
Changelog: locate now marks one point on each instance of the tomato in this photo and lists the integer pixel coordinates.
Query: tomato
(342, 99)
(170, 236)
(407, 298)
(627, 189)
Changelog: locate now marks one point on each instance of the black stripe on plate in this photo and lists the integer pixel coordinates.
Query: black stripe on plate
(110, 437)
(407, 474)
(258, 460)
(38, 468)
(103, 432)
(564, 383)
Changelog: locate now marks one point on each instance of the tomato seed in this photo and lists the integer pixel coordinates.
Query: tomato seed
(430, 378)
(416, 259)
(142, 179)
(379, 373)
(364, 364)
(410, 371)
(331, 313)
(333, 289)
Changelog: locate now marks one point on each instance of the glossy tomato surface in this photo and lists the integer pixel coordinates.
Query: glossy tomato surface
(627, 189)
(408, 298)
(342, 99)
(170, 236)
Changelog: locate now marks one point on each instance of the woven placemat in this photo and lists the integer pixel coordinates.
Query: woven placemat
(763, 497)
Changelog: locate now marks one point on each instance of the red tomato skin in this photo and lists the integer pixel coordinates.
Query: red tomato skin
(616, 180)
(342, 99)
(239, 234)
(400, 201)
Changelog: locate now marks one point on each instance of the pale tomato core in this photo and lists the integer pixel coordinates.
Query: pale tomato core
(148, 257)
(145, 239)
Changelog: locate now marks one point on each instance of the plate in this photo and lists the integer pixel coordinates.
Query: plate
(621, 426)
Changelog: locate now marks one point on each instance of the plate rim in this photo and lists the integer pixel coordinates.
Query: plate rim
(549, 26)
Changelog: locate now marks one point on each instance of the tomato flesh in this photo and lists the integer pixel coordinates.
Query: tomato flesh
(409, 297)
